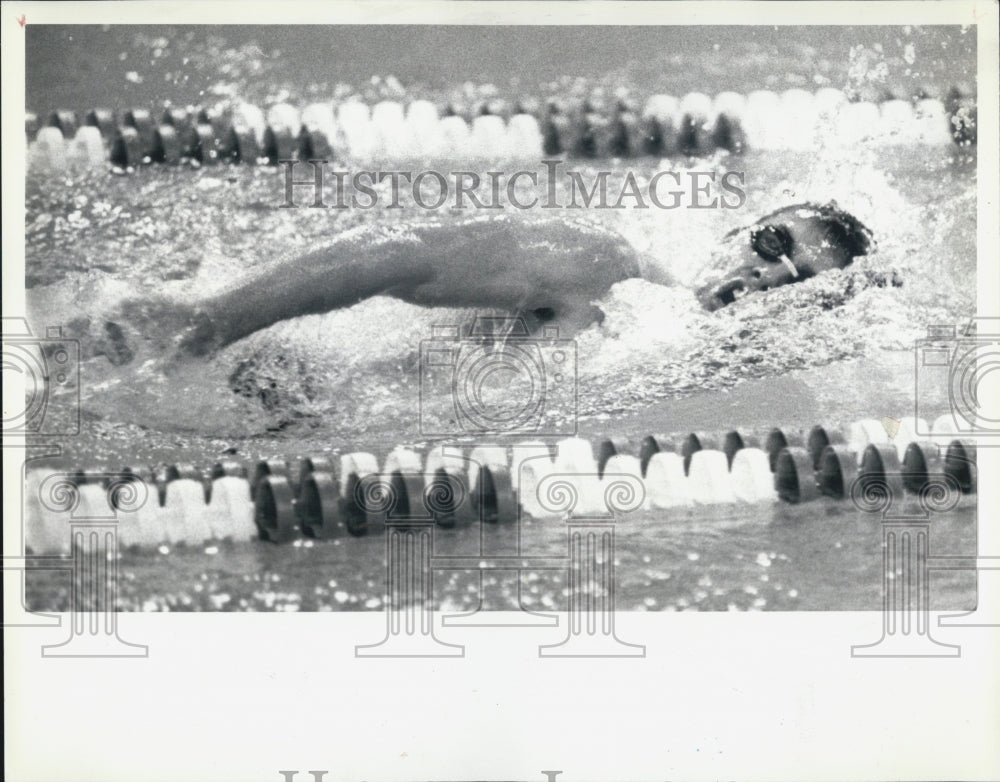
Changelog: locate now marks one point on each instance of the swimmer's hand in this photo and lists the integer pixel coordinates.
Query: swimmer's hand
(200, 337)
(153, 329)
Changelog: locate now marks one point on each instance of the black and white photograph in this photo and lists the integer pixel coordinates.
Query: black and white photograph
(487, 339)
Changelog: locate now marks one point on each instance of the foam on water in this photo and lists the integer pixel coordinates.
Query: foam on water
(343, 371)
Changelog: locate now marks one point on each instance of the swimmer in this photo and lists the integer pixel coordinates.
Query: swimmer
(546, 271)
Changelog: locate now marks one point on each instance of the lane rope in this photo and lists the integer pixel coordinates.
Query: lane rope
(351, 496)
(393, 131)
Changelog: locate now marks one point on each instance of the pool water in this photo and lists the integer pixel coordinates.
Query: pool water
(831, 350)
(838, 345)
(823, 555)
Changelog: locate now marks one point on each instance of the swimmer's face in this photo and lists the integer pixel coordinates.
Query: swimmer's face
(789, 245)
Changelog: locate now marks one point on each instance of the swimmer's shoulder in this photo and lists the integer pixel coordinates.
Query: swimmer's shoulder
(555, 226)
(560, 237)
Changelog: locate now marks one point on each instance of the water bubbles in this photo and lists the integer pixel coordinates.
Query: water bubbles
(220, 601)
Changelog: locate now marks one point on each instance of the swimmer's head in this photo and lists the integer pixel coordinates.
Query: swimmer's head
(786, 246)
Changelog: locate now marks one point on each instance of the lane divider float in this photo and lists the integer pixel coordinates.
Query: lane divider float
(354, 494)
(496, 130)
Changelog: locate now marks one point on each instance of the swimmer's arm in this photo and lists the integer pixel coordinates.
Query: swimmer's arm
(500, 263)
(353, 268)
